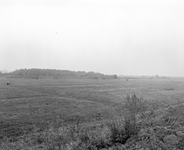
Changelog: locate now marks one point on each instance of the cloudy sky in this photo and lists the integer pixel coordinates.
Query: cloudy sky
(128, 37)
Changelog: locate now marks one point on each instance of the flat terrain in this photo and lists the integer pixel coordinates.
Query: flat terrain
(29, 102)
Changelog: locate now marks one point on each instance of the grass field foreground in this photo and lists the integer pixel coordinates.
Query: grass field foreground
(47, 111)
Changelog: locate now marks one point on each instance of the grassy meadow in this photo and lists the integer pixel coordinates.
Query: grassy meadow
(41, 101)
(28, 102)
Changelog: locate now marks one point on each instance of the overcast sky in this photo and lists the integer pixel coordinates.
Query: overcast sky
(128, 37)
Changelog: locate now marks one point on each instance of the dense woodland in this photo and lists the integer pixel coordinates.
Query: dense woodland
(37, 73)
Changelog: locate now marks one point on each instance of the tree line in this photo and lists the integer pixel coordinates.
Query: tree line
(36, 73)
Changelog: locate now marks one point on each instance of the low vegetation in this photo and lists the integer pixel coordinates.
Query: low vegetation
(55, 114)
(139, 129)
(79, 137)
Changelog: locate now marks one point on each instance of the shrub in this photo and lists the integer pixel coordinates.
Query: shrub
(118, 133)
(133, 106)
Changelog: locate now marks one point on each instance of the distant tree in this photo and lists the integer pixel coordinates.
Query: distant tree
(115, 76)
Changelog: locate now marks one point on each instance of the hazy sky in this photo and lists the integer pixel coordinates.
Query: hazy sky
(128, 37)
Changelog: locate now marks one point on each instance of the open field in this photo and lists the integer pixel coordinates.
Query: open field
(29, 102)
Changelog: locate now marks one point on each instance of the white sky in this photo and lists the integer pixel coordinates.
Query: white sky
(128, 37)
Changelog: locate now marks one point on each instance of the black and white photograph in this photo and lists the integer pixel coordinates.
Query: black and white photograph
(91, 75)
